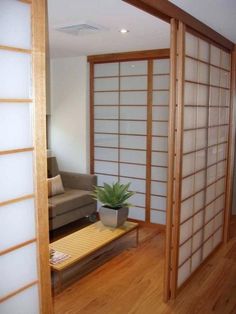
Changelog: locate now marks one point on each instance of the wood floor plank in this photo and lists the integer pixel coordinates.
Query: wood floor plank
(132, 283)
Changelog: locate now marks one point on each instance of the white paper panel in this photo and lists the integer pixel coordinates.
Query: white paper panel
(160, 98)
(136, 184)
(106, 140)
(106, 98)
(207, 248)
(190, 94)
(106, 179)
(201, 139)
(15, 23)
(135, 113)
(221, 169)
(106, 69)
(137, 213)
(215, 55)
(190, 117)
(202, 96)
(204, 50)
(161, 82)
(16, 178)
(18, 268)
(211, 174)
(158, 217)
(137, 200)
(159, 159)
(222, 134)
(133, 83)
(197, 240)
(189, 141)
(219, 220)
(136, 142)
(198, 221)
(158, 202)
(158, 188)
(133, 127)
(15, 79)
(210, 211)
(15, 124)
(106, 167)
(160, 113)
(185, 251)
(106, 126)
(223, 115)
(212, 155)
(183, 273)
(106, 112)
(214, 96)
(212, 136)
(26, 302)
(185, 231)
(196, 260)
(215, 76)
(224, 79)
(200, 160)
(133, 98)
(186, 209)
(210, 193)
(203, 73)
(199, 201)
(225, 60)
(106, 154)
(160, 144)
(19, 217)
(161, 66)
(138, 157)
(160, 128)
(199, 181)
(188, 164)
(191, 67)
(106, 84)
(135, 171)
(224, 97)
(133, 68)
(159, 173)
(191, 43)
(187, 187)
(217, 238)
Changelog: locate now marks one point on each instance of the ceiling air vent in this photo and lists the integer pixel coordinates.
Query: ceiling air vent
(79, 29)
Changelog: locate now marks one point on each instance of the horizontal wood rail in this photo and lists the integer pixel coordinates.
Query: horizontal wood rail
(12, 294)
(166, 10)
(15, 49)
(130, 56)
(18, 199)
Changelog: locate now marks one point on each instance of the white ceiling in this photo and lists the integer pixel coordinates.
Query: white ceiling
(146, 31)
(218, 14)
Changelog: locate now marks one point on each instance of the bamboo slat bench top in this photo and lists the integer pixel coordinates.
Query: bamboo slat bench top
(88, 240)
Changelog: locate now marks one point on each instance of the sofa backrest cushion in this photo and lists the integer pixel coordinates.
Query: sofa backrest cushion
(52, 167)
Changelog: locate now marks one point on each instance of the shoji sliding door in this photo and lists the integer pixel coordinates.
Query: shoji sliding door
(201, 149)
(20, 269)
(129, 112)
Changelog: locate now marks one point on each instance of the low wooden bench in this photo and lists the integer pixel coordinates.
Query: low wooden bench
(86, 242)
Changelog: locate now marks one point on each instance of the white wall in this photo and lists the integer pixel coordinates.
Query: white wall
(69, 136)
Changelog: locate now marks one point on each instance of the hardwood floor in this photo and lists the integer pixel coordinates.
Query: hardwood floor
(132, 281)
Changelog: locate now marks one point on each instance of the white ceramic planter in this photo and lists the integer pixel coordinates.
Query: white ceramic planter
(113, 217)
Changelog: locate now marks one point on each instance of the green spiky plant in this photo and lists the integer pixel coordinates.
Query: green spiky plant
(113, 196)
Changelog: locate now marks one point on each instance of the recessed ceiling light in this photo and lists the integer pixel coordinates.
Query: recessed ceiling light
(124, 31)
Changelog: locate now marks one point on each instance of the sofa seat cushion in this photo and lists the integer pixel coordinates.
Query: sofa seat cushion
(70, 200)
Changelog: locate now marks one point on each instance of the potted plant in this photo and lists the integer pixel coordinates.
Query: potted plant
(115, 209)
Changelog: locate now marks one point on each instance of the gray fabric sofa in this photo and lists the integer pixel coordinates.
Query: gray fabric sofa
(76, 202)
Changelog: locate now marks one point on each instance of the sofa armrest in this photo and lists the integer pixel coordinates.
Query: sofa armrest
(78, 181)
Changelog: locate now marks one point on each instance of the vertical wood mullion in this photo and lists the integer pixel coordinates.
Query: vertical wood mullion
(40, 155)
(179, 158)
(231, 147)
(206, 159)
(91, 80)
(171, 158)
(149, 141)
